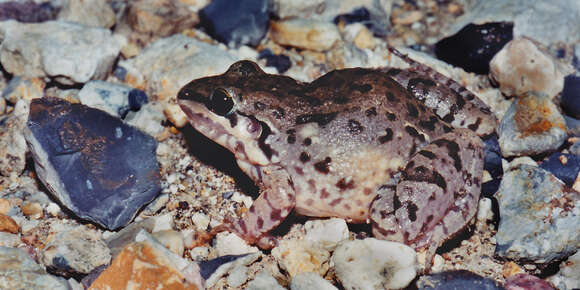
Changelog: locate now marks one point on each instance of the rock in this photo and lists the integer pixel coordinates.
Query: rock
(230, 244)
(570, 100)
(95, 165)
(237, 277)
(568, 277)
(175, 115)
(521, 67)
(109, 97)
(264, 281)
(67, 52)
(12, 143)
(492, 156)
(359, 35)
(19, 271)
(371, 16)
(172, 240)
(458, 279)
(214, 269)
(563, 166)
(531, 125)
(148, 119)
(9, 240)
(374, 263)
(117, 241)
(27, 11)
(2, 106)
(305, 34)
(75, 251)
(236, 23)
(32, 210)
(484, 210)
(541, 225)
(473, 46)
(298, 256)
(137, 99)
(160, 18)
(281, 62)
(26, 89)
(169, 63)
(200, 221)
(309, 280)
(96, 13)
(5, 206)
(286, 9)
(160, 271)
(7, 224)
(326, 233)
(572, 126)
(526, 282)
(547, 22)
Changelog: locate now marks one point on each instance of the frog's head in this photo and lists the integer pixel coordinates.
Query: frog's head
(227, 109)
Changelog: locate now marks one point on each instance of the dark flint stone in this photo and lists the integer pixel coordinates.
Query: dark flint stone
(570, 101)
(120, 73)
(281, 62)
(460, 279)
(236, 22)
(473, 47)
(207, 268)
(27, 11)
(492, 156)
(373, 20)
(101, 169)
(137, 98)
(567, 171)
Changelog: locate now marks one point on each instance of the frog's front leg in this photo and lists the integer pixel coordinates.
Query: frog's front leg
(276, 201)
(437, 195)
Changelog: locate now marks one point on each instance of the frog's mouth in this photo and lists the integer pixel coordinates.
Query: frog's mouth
(242, 135)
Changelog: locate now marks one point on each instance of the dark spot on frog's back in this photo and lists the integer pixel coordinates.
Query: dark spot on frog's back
(304, 157)
(429, 125)
(427, 154)
(278, 113)
(354, 126)
(391, 116)
(412, 211)
(391, 97)
(414, 133)
(453, 151)
(371, 112)
(259, 106)
(291, 136)
(412, 111)
(362, 88)
(321, 119)
(341, 100)
(343, 184)
(416, 83)
(394, 72)
(323, 166)
(386, 138)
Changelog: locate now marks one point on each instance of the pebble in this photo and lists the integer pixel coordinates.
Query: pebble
(230, 244)
(19, 271)
(149, 119)
(65, 51)
(568, 277)
(32, 210)
(484, 210)
(7, 224)
(236, 23)
(310, 281)
(231, 265)
(359, 35)
(12, 143)
(118, 240)
(237, 276)
(200, 221)
(305, 34)
(326, 233)
(563, 166)
(457, 279)
(109, 97)
(281, 62)
(286, 9)
(160, 18)
(298, 256)
(171, 239)
(531, 125)
(570, 100)
(27, 11)
(96, 13)
(473, 46)
(541, 225)
(21, 88)
(175, 115)
(169, 63)
(492, 157)
(137, 99)
(5, 206)
(526, 282)
(374, 264)
(9, 240)
(264, 280)
(75, 251)
(521, 66)
(113, 187)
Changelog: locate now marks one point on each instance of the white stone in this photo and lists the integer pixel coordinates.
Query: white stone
(91, 13)
(233, 266)
(171, 240)
(200, 221)
(484, 212)
(163, 223)
(327, 233)
(297, 256)
(9, 240)
(264, 281)
(305, 34)
(148, 118)
(230, 244)
(372, 263)
(68, 52)
(238, 276)
(106, 96)
(310, 281)
(569, 275)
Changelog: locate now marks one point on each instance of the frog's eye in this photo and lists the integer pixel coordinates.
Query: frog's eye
(220, 102)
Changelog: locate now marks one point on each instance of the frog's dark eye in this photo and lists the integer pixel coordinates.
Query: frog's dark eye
(220, 102)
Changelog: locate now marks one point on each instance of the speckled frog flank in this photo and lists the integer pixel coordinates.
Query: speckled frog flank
(326, 148)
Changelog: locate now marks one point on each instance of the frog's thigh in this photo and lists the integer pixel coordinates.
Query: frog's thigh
(437, 194)
(276, 200)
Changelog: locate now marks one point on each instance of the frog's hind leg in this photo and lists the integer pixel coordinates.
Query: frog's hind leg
(437, 195)
(276, 201)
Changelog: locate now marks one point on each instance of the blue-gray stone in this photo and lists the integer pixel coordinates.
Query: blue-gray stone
(457, 280)
(137, 98)
(570, 100)
(539, 216)
(563, 166)
(101, 169)
(236, 22)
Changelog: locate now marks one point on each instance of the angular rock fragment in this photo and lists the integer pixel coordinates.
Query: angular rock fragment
(95, 165)
(19, 271)
(461, 279)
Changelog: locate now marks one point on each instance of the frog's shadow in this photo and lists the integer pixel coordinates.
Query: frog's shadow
(213, 154)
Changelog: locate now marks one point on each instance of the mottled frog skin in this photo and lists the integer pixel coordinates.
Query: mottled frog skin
(359, 144)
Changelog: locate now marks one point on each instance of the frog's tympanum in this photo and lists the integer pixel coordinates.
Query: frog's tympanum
(398, 148)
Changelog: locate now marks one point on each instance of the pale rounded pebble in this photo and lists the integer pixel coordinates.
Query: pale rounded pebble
(372, 263)
(264, 281)
(148, 118)
(310, 281)
(163, 222)
(175, 115)
(200, 221)
(484, 212)
(4, 206)
(305, 33)
(53, 209)
(297, 256)
(326, 233)
(110, 97)
(230, 244)
(237, 276)
(171, 239)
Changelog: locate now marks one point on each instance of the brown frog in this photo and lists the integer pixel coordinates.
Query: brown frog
(360, 144)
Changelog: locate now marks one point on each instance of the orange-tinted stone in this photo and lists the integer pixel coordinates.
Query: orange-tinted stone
(7, 224)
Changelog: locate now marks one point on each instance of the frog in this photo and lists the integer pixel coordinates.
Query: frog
(400, 149)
